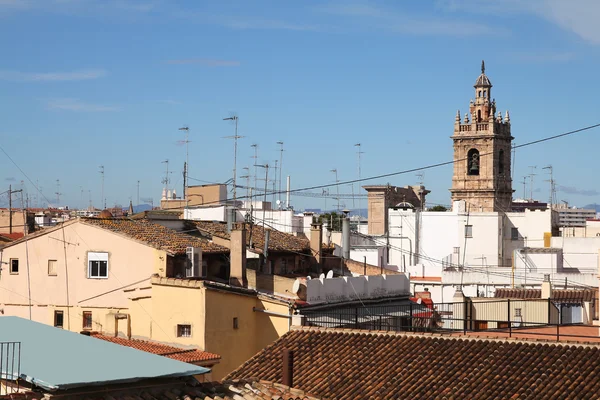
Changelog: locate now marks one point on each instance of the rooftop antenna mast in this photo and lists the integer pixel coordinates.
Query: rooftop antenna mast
(102, 200)
(266, 167)
(531, 175)
(552, 185)
(337, 187)
(421, 178)
(138, 193)
(255, 156)
(235, 139)
(186, 129)
(58, 193)
(247, 177)
(274, 184)
(280, 143)
(524, 182)
(165, 180)
(358, 153)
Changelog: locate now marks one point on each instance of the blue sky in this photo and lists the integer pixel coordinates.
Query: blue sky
(85, 83)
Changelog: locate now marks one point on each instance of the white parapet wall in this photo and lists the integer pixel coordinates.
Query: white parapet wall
(346, 288)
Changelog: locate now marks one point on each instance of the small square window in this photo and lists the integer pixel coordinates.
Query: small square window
(52, 267)
(14, 265)
(235, 323)
(468, 231)
(58, 319)
(514, 233)
(184, 330)
(87, 320)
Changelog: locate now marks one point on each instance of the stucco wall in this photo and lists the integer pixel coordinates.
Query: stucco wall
(130, 264)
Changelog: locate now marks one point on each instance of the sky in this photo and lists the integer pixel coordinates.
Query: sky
(85, 83)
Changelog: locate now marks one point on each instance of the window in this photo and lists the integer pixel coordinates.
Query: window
(501, 162)
(235, 323)
(14, 265)
(473, 162)
(52, 267)
(184, 330)
(479, 94)
(478, 115)
(58, 319)
(518, 312)
(283, 266)
(87, 320)
(484, 93)
(468, 231)
(97, 265)
(514, 233)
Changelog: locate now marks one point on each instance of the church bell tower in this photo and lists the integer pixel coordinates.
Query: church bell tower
(482, 153)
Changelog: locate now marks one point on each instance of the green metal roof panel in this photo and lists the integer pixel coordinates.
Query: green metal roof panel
(56, 359)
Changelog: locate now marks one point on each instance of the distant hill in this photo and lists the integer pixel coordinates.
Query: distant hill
(140, 208)
(592, 207)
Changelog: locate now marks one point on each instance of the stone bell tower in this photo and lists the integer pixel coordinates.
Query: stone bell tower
(482, 153)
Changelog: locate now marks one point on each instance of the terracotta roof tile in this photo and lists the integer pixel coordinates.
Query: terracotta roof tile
(557, 294)
(337, 364)
(278, 241)
(228, 390)
(176, 353)
(155, 235)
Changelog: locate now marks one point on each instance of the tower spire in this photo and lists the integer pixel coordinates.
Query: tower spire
(482, 66)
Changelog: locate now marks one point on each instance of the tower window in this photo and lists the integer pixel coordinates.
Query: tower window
(501, 162)
(485, 93)
(478, 115)
(479, 94)
(473, 162)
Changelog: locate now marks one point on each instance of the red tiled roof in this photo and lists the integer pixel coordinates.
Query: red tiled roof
(557, 294)
(12, 236)
(176, 353)
(337, 364)
(184, 390)
(155, 235)
(278, 241)
(426, 278)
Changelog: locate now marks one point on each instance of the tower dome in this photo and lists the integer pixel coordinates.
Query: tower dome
(105, 214)
(483, 80)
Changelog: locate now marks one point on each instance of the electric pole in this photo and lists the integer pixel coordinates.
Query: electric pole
(235, 139)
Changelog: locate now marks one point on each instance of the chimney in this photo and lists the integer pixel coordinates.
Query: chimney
(546, 287)
(316, 241)
(346, 238)
(237, 256)
(288, 368)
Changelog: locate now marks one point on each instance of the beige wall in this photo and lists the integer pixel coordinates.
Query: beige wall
(210, 312)
(532, 311)
(129, 264)
(197, 196)
(18, 221)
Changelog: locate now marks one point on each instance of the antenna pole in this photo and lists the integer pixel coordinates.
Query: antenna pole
(102, 200)
(235, 139)
(187, 163)
(274, 184)
(138, 193)
(255, 189)
(58, 193)
(531, 175)
(280, 143)
(337, 187)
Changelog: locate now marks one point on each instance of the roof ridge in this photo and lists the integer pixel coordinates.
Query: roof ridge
(441, 335)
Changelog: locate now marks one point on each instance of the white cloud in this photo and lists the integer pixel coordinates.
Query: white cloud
(370, 17)
(206, 62)
(52, 76)
(577, 16)
(78, 105)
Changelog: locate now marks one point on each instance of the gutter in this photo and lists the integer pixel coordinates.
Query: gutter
(271, 313)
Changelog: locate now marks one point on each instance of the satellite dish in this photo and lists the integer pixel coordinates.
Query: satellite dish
(308, 278)
(321, 276)
(296, 286)
(329, 274)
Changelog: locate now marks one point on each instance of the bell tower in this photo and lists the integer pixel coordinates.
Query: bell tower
(482, 153)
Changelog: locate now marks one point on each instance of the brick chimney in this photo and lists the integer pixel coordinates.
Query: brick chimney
(237, 256)
(316, 241)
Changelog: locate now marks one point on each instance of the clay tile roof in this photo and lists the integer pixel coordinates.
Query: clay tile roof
(227, 390)
(278, 241)
(557, 294)
(11, 236)
(176, 353)
(155, 235)
(343, 364)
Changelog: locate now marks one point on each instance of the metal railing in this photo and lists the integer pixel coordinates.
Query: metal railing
(498, 317)
(10, 367)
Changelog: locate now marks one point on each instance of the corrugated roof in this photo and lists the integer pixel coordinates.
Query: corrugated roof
(557, 294)
(56, 359)
(175, 353)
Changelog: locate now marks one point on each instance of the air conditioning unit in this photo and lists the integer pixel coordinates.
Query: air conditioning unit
(194, 266)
